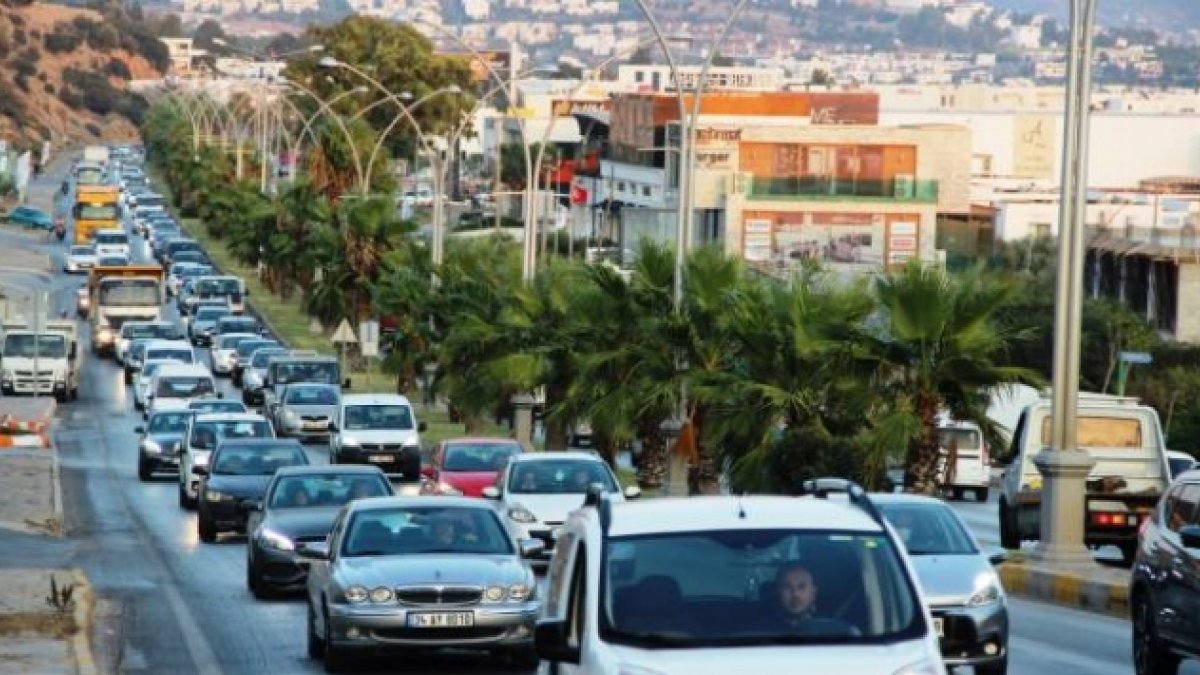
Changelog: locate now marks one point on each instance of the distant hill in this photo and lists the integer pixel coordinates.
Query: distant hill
(1171, 16)
(64, 71)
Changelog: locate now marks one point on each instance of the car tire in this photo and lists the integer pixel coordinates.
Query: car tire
(1009, 538)
(206, 530)
(316, 648)
(994, 668)
(1150, 656)
(145, 471)
(981, 495)
(253, 583)
(336, 660)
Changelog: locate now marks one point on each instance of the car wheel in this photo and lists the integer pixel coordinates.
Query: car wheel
(1009, 538)
(1150, 656)
(145, 471)
(335, 659)
(253, 583)
(206, 529)
(981, 495)
(316, 649)
(994, 668)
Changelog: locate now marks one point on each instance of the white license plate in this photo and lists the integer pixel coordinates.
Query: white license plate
(315, 426)
(939, 626)
(385, 459)
(441, 620)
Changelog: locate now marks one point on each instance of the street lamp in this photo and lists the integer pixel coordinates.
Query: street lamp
(1064, 469)
(453, 89)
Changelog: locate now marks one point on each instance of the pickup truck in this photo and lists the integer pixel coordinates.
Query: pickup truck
(1131, 471)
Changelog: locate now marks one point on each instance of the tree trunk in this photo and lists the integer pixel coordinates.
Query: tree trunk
(472, 424)
(605, 447)
(652, 460)
(556, 429)
(921, 464)
(707, 478)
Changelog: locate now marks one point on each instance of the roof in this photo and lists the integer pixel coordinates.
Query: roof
(555, 456)
(698, 514)
(255, 442)
(322, 469)
(375, 399)
(230, 417)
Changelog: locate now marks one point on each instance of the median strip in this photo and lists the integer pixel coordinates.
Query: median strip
(1093, 588)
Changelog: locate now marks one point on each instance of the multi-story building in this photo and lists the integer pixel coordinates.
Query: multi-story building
(654, 78)
(183, 56)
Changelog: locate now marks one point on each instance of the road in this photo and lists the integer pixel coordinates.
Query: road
(169, 603)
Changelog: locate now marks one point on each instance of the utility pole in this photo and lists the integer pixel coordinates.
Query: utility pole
(1063, 467)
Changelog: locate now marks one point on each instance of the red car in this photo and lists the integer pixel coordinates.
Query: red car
(465, 466)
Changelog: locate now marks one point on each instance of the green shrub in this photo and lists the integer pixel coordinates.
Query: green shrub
(60, 43)
(118, 68)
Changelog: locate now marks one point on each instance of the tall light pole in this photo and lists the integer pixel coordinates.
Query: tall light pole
(326, 108)
(1063, 466)
(407, 96)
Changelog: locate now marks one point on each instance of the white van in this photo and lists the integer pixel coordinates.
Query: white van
(174, 386)
(970, 470)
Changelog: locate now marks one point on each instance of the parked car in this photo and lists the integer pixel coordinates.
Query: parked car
(236, 478)
(420, 573)
(465, 466)
(298, 508)
(1164, 593)
(30, 218)
(968, 603)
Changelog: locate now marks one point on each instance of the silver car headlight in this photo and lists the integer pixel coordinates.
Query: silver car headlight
(381, 594)
(520, 592)
(521, 514)
(357, 594)
(494, 593)
(290, 415)
(986, 592)
(272, 539)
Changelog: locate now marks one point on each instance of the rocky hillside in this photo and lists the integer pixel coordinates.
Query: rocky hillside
(64, 71)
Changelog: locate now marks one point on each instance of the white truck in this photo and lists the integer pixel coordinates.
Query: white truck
(120, 294)
(41, 360)
(1131, 472)
(96, 154)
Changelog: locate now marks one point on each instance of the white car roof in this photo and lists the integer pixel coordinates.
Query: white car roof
(374, 399)
(530, 457)
(230, 417)
(159, 343)
(701, 514)
(184, 370)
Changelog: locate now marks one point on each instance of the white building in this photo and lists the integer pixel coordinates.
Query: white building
(652, 78)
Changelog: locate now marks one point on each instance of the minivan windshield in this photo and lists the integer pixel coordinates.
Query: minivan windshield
(755, 587)
(378, 417)
(111, 238)
(46, 345)
(325, 372)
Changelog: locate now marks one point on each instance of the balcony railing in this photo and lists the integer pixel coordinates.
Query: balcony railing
(843, 189)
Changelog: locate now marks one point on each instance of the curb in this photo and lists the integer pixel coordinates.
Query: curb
(1070, 589)
(81, 642)
(56, 506)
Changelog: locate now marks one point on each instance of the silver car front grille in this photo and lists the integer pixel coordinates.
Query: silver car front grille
(439, 595)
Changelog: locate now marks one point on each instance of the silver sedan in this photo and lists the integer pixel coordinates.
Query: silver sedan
(420, 573)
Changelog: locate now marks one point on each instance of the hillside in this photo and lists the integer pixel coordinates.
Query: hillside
(1169, 16)
(64, 73)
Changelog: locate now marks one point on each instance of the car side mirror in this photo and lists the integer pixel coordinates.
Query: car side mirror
(200, 470)
(346, 383)
(491, 492)
(632, 492)
(139, 429)
(998, 556)
(550, 641)
(1189, 536)
(333, 427)
(531, 548)
(317, 550)
(421, 426)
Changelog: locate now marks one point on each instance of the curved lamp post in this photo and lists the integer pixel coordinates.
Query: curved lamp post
(327, 108)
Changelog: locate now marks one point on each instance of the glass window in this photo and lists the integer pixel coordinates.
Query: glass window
(129, 292)
(560, 476)
(242, 461)
(83, 250)
(111, 238)
(1102, 432)
(1180, 464)
(262, 356)
(964, 439)
(1181, 507)
(478, 457)
(426, 529)
(324, 372)
(247, 347)
(96, 212)
(206, 435)
(211, 313)
(326, 490)
(928, 529)
(182, 355)
(756, 587)
(184, 387)
(373, 417)
(169, 422)
(216, 405)
(311, 396)
(53, 345)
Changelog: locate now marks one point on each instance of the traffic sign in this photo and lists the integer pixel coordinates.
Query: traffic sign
(368, 338)
(1136, 357)
(344, 334)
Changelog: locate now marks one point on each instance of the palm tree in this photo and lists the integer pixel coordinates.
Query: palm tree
(300, 208)
(935, 346)
(404, 293)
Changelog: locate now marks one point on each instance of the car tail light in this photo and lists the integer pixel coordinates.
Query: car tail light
(1112, 519)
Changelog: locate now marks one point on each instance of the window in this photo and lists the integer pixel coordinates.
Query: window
(645, 190)
(559, 476)
(577, 609)
(1102, 432)
(478, 457)
(928, 529)
(1039, 230)
(311, 396)
(1180, 508)
(620, 186)
(377, 417)
(184, 387)
(414, 530)
(326, 490)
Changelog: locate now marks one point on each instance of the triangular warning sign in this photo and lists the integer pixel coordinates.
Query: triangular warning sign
(344, 334)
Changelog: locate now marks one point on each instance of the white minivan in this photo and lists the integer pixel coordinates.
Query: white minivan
(965, 464)
(174, 386)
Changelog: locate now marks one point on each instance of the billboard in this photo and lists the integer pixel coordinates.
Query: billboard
(1035, 138)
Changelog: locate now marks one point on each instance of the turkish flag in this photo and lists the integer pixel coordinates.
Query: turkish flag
(579, 195)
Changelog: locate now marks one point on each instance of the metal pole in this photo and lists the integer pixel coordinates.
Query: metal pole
(37, 344)
(1064, 468)
(499, 165)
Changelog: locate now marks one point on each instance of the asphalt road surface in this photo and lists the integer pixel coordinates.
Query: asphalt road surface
(170, 604)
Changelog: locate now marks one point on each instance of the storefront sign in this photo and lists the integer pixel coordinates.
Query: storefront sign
(567, 108)
(756, 240)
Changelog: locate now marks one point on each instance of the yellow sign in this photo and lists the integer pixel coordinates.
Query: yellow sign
(1035, 139)
(521, 113)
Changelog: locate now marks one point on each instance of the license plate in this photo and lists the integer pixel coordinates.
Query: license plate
(441, 620)
(382, 459)
(939, 626)
(315, 426)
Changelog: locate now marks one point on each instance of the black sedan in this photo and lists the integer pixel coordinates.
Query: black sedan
(300, 506)
(236, 479)
(159, 440)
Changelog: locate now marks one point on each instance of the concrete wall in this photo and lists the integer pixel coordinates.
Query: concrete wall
(1187, 315)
